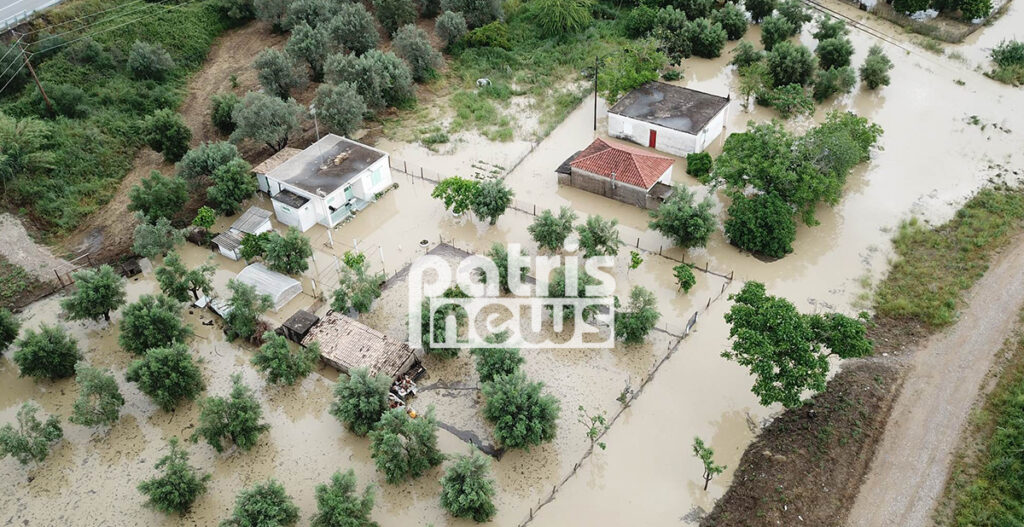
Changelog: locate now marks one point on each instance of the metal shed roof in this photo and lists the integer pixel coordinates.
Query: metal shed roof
(229, 241)
(251, 220)
(281, 288)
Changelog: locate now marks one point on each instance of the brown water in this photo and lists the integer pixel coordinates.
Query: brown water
(932, 159)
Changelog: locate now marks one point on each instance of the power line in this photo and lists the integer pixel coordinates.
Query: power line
(87, 27)
(90, 34)
(13, 45)
(13, 77)
(14, 60)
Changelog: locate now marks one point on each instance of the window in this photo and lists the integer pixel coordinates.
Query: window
(348, 193)
(376, 177)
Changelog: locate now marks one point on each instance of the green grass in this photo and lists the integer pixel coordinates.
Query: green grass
(987, 488)
(934, 266)
(474, 110)
(93, 150)
(14, 281)
(931, 44)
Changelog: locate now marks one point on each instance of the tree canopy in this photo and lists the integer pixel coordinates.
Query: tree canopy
(550, 231)
(97, 293)
(158, 196)
(167, 375)
(246, 308)
(288, 254)
(637, 319)
(467, 491)
(154, 321)
(599, 236)
(99, 400)
(522, 415)
(360, 400)
(32, 439)
(179, 484)
(687, 223)
(49, 354)
(176, 281)
(456, 193)
(282, 365)
(761, 224)
(263, 505)
(403, 447)
(235, 419)
(339, 505)
(491, 199)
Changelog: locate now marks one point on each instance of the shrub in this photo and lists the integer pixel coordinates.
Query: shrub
(687, 223)
(403, 447)
(732, 19)
(97, 293)
(152, 322)
(233, 183)
(222, 105)
(360, 400)
(382, 79)
(311, 45)
(975, 9)
(66, 101)
(9, 327)
(745, 54)
(393, 14)
(199, 164)
(550, 231)
(263, 505)
(167, 375)
(278, 74)
(910, 6)
(99, 401)
(357, 290)
(412, 44)
(698, 165)
(706, 38)
(288, 254)
(622, 72)
(560, 17)
(32, 439)
(180, 484)
(637, 319)
(522, 416)
(155, 239)
(491, 199)
(338, 505)
(790, 63)
(788, 100)
(450, 27)
(495, 362)
(246, 307)
(1007, 54)
(641, 20)
(166, 132)
(49, 354)
(834, 53)
(340, 107)
(476, 12)
(774, 30)
(466, 489)
(234, 419)
(353, 28)
(493, 35)
(158, 196)
(281, 365)
(875, 70)
(832, 81)
(762, 224)
(265, 119)
(684, 277)
(149, 61)
(759, 9)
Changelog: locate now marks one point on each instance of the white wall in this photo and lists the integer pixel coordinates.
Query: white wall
(301, 218)
(669, 141)
(714, 128)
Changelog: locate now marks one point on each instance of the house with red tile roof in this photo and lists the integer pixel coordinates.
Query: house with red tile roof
(628, 174)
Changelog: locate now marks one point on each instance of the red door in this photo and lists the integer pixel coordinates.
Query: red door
(653, 140)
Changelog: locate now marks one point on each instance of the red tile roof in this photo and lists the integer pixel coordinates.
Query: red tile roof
(632, 166)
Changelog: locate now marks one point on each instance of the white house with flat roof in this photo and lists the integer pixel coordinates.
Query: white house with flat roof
(669, 118)
(325, 183)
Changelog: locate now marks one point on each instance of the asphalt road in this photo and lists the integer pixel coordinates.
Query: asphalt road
(11, 8)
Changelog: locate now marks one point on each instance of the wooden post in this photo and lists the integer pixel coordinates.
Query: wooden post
(421, 173)
(58, 278)
(31, 70)
(405, 167)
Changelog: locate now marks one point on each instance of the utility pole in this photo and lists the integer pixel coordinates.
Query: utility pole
(31, 70)
(595, 92)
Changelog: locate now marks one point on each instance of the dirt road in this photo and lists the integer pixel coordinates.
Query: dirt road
(947, 373)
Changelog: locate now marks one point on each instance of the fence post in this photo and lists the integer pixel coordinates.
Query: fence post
(405, 167)
(709, 304)
(637, 242)
(535, 209)
(421, 173)
(660, 247)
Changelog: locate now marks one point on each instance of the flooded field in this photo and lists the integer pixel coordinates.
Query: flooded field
(931, 158)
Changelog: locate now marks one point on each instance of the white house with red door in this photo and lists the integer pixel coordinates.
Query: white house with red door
(669, 118)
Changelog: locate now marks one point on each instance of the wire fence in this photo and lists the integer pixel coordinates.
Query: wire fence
(431, 176)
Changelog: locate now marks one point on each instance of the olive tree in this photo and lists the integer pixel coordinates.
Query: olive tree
(759, 9)
(177, 281)
(834, 52)
(353, 28)
(732, 19)
(795, 13)
(339, 505)
(683, 274)
(158, 196)
(278, 74)
(790, 63)
(200, 163)
(381, 78)
(168, 375)
(246, 308)
(149, 61)
(360, 400)
(97, 293)
(498, 254)
(357, 289)
(829, 27)
(550, 231)
(599, 236)
(233, 183)
(263, 505)
(522, 416)
(154, 321)
(706, 38)
(178, 486)
(832, 81)
(313, 13)
(266, 119)
(234, 419)
(638, 317)
(271, 11)
(99, 400)
(393, 14)
(493, 362)
(154, 239)
(340, 107)
(476, 12)
(49, 353)
(875, 70)
(412, 44)
(450, 27)
(288, 254)
(491, 199)
(31, 441)
(782, 348)
(467, 491)
(405, 448)
(165, 131)
(687, 223)
(311, 45)
(774, 30)
(282, 365)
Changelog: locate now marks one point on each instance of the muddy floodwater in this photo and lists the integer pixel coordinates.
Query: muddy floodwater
(948, 131)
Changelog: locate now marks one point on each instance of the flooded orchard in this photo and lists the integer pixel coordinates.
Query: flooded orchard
(931, 158)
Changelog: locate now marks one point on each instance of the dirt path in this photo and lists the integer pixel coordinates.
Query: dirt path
(23, 251)
(108, 232)
(912, 462)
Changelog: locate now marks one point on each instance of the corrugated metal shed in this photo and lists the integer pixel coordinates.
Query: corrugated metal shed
(252, 221)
